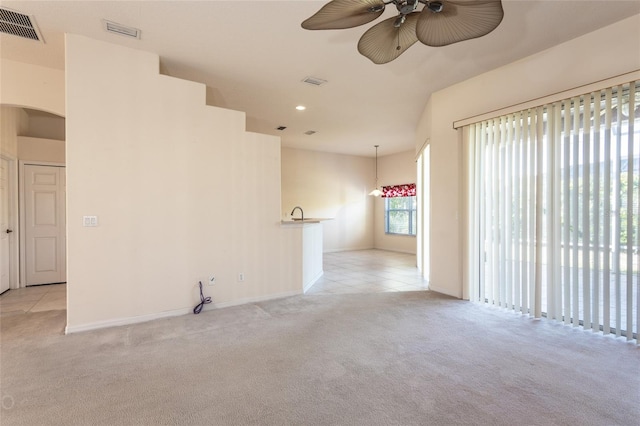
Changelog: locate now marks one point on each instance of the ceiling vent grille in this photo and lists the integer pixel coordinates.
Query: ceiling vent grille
(19, 25)
(119, 29)
(313, 81)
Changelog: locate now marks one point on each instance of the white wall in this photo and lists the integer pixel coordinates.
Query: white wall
(32, 86)
(16, 125)
(395, 169)
(337, 186)
(40, 149)
(331, 186)
(46, 127)
(13, 123)
(605, 53)
(181, 191)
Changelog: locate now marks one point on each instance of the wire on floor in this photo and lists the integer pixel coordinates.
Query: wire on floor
(203, 301)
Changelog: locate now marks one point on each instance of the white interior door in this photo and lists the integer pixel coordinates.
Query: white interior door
(45, 244)
(6, 232)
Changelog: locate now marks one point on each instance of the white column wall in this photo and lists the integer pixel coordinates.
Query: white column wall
(181, 192)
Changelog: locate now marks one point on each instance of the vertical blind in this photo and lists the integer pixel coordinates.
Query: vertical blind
(554, 212)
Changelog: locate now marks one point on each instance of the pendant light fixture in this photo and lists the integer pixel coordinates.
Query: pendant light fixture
(376, 192)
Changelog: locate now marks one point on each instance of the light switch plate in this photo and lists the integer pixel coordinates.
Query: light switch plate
(89, 220)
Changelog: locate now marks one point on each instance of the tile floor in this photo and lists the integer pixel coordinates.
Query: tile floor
(368, 271)
(360, 271)
(34, 299)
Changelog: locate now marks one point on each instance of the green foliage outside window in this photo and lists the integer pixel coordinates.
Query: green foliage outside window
(400, 215)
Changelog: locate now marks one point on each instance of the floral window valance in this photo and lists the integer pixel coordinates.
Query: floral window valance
(406, 190)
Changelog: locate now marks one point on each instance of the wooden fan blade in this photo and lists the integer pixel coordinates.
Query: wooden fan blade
(340, 14)
(383, 42)
(458, 21)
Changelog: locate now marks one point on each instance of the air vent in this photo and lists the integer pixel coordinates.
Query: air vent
(18, 24)
(281, 127)
(123, 30)
(310, 132)
(314, 81)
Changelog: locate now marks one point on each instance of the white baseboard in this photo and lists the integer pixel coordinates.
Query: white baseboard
(177, 312)
(397, 251)
(251, 300)
(338, 250)
(125, 321)
(443, 291)
(311, 282)
(369, 248)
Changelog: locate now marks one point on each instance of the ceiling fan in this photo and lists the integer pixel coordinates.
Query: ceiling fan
(439, 23)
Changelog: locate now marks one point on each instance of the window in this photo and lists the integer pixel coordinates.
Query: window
(400, 215)
(554, 211)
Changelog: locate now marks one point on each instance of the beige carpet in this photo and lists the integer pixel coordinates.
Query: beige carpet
(411, 358)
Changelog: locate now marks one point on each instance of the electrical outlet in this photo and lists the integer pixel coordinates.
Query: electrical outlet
(241, 276)
(212, 280)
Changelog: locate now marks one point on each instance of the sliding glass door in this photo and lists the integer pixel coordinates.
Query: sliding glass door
(554, 210)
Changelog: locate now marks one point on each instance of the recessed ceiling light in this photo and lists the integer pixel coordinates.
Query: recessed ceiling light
(301, 107)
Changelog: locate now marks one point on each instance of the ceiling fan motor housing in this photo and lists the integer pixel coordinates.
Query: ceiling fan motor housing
(435, 6)
(407, 6)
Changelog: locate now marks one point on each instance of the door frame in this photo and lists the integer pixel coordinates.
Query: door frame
(14, 245)
(23, 233)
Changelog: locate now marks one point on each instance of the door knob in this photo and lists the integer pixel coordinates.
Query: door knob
(9, 231)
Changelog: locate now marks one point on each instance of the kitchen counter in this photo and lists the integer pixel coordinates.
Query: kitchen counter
(306, 220)
(309, 234)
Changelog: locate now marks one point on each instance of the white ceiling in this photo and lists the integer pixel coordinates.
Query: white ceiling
(252, 55)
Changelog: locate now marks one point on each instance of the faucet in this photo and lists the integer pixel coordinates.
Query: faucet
(301, 212)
